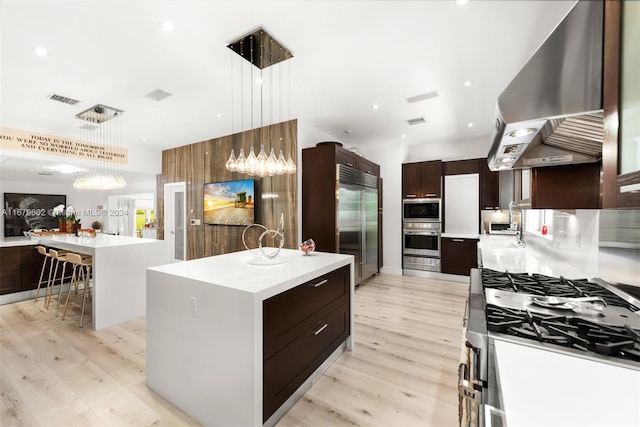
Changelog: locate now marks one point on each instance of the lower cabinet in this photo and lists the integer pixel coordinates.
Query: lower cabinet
(20, 268)
(301, 328)
(458, 256)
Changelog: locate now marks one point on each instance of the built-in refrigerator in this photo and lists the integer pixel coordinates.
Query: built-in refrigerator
(357, 219)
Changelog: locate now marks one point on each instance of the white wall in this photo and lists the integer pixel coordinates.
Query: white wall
(389, 156)
(458, 150)
(87, 202)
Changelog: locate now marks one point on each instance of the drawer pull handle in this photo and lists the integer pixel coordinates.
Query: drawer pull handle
(318, 329)
(458, 240)
(320, 283)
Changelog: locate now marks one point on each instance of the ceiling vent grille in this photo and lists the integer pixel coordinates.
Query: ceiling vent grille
(158, 95)
(416, 121)
(63, 99)
(422, 97)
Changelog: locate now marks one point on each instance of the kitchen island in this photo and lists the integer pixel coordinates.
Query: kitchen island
(119, 265)
(233, 343)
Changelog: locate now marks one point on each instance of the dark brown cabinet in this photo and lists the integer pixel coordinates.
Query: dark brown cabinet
(333, 153)
(566, 187)
(320, 209)
(422, 179)
(459, 256)
(301, 328)
(497, 189)
(20, 268)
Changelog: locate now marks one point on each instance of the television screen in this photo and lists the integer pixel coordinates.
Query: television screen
(23, 212)
(229, 203)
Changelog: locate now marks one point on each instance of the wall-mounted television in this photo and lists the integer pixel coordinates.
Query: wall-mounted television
(23, 212)
(230, 202)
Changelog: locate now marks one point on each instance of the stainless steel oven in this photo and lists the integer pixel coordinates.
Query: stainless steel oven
(422, 239)
(421, 210)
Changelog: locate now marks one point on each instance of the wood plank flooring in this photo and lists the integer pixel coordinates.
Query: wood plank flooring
(402, 372)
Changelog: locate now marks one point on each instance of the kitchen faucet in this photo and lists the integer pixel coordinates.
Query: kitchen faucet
(514, 225)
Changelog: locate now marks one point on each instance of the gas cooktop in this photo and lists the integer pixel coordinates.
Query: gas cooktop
(607, 328)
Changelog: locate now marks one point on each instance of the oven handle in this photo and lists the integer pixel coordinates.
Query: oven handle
(421, 233)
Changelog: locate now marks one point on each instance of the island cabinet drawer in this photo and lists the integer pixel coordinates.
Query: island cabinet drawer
(286, 314)
(286, 370)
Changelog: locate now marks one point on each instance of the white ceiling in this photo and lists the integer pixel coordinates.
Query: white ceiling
(348, 55)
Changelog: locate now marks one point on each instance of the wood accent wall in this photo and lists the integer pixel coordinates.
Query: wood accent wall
(204, 162)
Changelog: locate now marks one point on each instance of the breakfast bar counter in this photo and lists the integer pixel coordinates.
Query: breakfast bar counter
(119, 268)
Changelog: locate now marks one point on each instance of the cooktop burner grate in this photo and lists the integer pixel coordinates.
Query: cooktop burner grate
(620, 342)
(539, 284)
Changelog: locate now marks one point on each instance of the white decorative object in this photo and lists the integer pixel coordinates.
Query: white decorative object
(267, 257)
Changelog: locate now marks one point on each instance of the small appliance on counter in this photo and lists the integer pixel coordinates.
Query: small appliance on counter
(502, 228)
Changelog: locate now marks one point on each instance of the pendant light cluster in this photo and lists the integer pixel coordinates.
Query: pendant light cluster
(106, 176)
(261, 165)
(261, 51)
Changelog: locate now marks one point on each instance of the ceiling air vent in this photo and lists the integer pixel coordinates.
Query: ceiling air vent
(423, 97)
(63, 99)
(416, 121)
(158, 95)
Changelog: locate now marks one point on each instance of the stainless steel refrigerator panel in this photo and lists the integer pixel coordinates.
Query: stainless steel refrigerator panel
(357, 219)
(350, 225)
(371, 231)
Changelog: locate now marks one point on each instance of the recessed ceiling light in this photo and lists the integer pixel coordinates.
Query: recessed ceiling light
(470, 125)
(258, 81)
(375, 106)
(40, 51)
(144, 138)
(167, 26)
(65, 169)
(467, 83)
(521, 132)
(404, 135)
(461, 1)
(219, 115)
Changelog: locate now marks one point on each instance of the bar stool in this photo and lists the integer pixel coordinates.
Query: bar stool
(59, 256)
(47, 256)
(81, 273)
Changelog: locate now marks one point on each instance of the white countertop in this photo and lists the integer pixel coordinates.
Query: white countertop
(545, 388)
(500, 253)
(8, 242)
(234, 271)
(100, 241)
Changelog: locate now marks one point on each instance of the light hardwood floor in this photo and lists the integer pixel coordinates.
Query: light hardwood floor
(402, 372)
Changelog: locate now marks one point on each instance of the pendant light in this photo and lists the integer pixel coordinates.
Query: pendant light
(261, 51)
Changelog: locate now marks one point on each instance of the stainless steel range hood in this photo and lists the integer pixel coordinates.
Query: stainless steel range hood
(551, 113)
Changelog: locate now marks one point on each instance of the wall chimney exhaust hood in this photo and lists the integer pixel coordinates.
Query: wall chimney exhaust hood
(551, 112)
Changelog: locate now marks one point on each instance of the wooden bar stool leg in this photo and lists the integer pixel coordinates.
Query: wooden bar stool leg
(44, 267)
(73, 279)
(50, 287)
(84, 294)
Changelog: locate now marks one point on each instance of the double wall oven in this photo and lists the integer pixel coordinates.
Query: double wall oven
(421, 228)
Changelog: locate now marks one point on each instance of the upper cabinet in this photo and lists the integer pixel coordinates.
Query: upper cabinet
(621, 97)
(422, 179)
(336, 154)
(566, 187)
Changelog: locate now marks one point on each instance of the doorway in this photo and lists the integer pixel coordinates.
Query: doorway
(175, 219)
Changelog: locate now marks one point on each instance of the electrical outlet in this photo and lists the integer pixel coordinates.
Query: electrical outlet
(194, 306)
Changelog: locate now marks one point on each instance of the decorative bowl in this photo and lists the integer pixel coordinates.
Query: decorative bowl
(307, 246)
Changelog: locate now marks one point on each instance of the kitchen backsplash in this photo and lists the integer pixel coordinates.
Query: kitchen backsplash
(600, 243)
